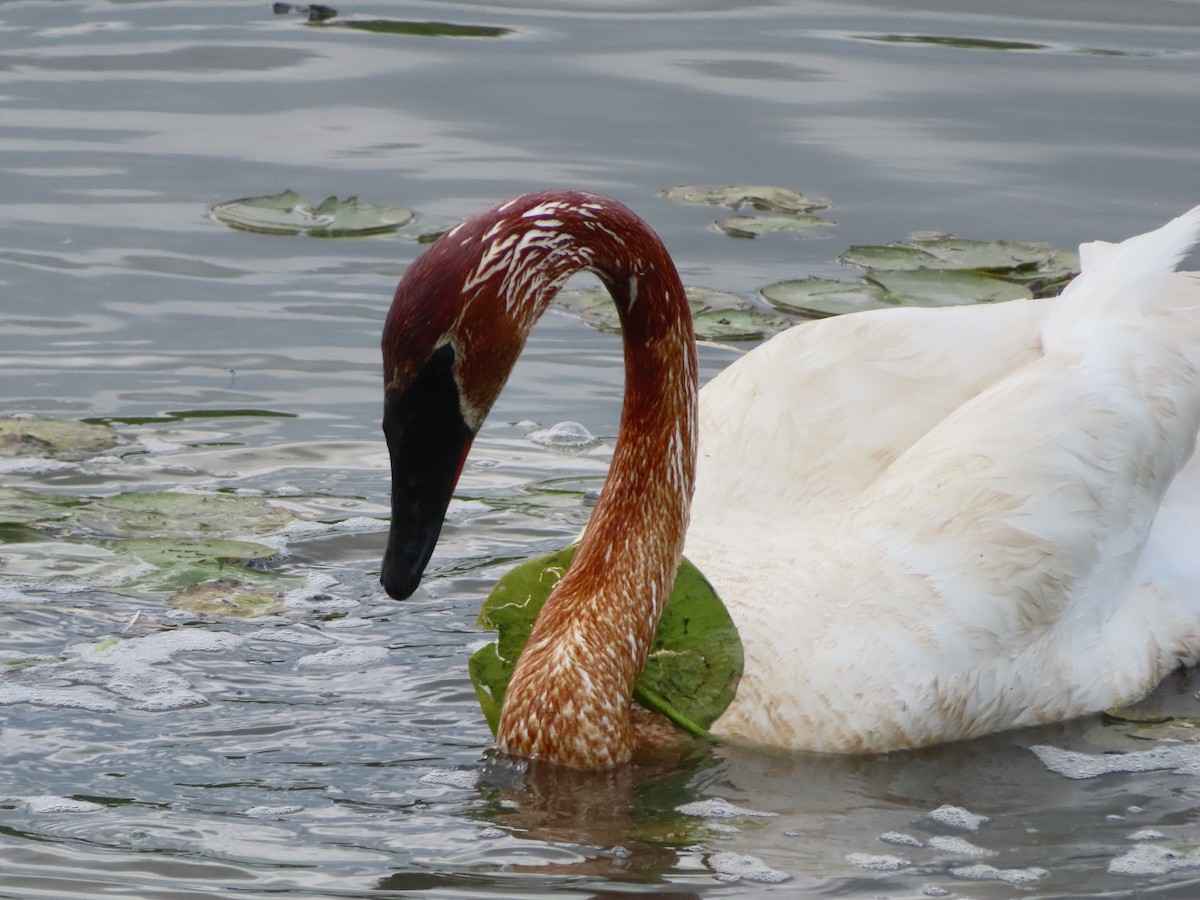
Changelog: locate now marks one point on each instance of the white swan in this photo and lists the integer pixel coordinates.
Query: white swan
(927, 524)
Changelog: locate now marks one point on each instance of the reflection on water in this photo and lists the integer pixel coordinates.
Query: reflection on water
(333, 746)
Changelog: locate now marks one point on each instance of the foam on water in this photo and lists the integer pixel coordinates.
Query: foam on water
(344, 657)
(306, 637)
(1153, 859)
(737, 866)
(48, 803)
(957, 817)
(958, 845)
(900, 839)
(456, 778)
(1184, 759)
(272, 812)
(716, 808)
(1146, 834)
(57, 698)
(984, 872)
(878, 862)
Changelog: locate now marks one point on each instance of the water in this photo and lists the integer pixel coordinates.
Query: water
(334, 747)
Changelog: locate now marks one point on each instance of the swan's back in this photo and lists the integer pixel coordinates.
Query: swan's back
(946, 519)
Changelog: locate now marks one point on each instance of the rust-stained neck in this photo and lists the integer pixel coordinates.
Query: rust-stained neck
(569, 699)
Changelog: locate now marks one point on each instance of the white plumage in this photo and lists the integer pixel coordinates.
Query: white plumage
(933, 524)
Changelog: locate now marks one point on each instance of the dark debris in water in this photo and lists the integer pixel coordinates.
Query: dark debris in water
(314, 12)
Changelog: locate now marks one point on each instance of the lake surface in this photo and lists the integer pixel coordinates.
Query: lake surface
(332, 746)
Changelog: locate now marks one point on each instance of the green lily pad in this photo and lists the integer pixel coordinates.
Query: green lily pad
(716, 315)
(170, 514)
(290, 213)
(761, 197)
(226, 597)
(695, 660)
(821, 297)
(753, 226)
(53, 437)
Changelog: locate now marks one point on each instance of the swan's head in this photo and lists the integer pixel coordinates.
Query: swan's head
(449, 343)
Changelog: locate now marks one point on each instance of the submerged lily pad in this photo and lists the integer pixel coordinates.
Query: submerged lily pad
(420, 29)
(181, 564)
(290, 213)
(716, 315)
(53, 437)
(753, 226)
(695, 661)
(170, 514)
(21, 507)
(226, 597)
(761, 197)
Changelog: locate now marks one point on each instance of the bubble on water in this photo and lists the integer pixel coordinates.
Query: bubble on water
(1146, 834)
(48, 803)
(299, 637)
(900, 839)
(934, 891)
(1184, 759)
(345, 657)
(737, 866)
(723, 828)
(957, 817)
(564, 436)
(958, 845)
(716, 808)
(272, 812)
(492, 832)
(455, 778)
(984, 872)
(878, 862)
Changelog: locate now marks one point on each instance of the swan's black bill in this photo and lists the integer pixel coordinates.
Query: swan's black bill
(428, 441)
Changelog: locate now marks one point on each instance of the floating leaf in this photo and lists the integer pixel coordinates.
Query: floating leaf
(695, 660)
(753, 226)
(820, 297)
(53, 437)
(760, 197)
(170, 514)
(716, 315)
(289, 213)
(228, 598)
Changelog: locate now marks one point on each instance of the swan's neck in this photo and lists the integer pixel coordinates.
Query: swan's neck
(569, 698)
